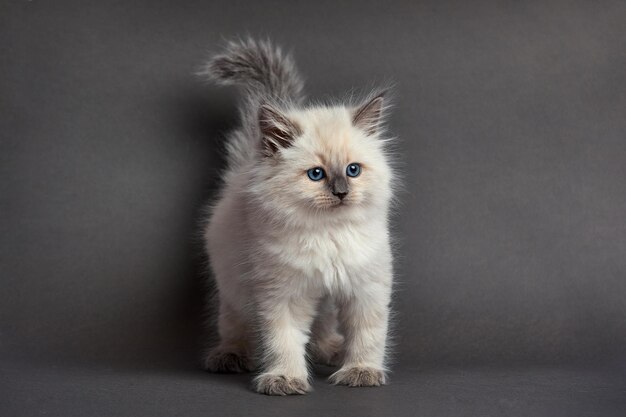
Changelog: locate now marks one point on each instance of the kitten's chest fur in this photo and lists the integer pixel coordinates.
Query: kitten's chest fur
(333, 257)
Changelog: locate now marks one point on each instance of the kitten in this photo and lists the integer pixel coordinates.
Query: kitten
(298, 239)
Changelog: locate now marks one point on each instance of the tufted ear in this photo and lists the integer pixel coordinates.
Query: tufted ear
(277, 131)
(369, 116)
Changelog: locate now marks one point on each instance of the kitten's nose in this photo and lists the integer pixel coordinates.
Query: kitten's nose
(340, 195)
(339, 187)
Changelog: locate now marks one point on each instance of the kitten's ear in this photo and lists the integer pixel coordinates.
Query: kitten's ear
(277, 130)
(369, 116)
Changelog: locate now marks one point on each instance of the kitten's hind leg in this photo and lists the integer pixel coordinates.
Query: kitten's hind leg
(232, 354)
(326, 341)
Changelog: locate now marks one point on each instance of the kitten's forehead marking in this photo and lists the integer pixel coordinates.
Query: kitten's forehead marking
(332, 134)
(334, 159)
(322, 158)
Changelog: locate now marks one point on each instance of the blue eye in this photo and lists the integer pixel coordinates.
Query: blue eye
(353, 170)
(316, 174)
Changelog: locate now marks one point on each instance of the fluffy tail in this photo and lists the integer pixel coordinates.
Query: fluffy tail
(261, 68)
(266, 75)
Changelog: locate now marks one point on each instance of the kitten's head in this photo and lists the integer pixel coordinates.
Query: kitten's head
(327, 161)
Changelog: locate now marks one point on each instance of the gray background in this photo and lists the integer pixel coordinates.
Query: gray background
(511, 119)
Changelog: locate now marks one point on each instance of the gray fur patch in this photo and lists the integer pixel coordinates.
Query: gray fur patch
(226, 362)
(260, 67)
(267, 76)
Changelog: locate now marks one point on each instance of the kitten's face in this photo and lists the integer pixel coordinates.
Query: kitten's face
(331, 168)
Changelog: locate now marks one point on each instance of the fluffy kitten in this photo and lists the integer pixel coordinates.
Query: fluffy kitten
(298, 239)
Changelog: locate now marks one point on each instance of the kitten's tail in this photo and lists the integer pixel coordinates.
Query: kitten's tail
(261, 68)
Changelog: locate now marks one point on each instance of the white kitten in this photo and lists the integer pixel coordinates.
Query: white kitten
(298, 239)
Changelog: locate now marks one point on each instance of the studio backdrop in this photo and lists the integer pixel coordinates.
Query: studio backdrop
(510, 231)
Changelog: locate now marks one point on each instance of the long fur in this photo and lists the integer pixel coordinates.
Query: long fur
(296, 263)
(265, 74)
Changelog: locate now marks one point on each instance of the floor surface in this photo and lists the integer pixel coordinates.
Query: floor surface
(73, 391)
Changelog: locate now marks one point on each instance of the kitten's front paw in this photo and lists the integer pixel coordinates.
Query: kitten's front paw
(358, 376)
(281, 385)
(226, 362)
